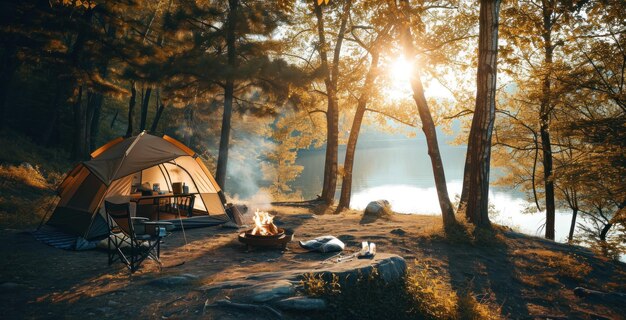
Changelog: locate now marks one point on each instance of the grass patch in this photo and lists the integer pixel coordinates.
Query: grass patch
(421, 294)
(559, 264)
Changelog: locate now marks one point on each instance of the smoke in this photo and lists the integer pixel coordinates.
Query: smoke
(248, 150)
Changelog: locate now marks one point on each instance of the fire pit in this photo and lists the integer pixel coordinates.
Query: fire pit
(265, 233)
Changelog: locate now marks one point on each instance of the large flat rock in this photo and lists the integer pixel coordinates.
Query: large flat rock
(281, 288)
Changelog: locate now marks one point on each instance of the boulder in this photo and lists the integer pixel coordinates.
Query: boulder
(390, 268)
(377, 209)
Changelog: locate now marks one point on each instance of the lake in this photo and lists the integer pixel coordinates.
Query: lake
(398, 169)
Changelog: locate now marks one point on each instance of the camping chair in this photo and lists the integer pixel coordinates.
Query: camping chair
(179, 205)
(141, 236)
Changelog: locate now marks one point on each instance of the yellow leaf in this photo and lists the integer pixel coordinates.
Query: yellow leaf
(78, 3)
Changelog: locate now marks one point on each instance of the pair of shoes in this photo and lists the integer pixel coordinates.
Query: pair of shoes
(368, 250)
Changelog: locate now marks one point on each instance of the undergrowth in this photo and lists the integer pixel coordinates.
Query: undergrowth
(421, 294)
(28, 176)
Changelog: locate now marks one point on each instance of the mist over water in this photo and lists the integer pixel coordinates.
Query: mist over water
(398, 169)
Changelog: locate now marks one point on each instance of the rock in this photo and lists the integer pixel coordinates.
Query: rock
(181, 280)
(398, 232)
(301, 304)
(377, 209)
(390, 267)
(272, 290)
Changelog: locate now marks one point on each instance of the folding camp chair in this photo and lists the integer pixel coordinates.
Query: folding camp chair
(133, 239)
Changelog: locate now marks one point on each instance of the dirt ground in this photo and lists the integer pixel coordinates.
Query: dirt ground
(528, 277)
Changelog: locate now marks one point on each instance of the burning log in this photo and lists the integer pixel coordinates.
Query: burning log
(265, 233)
(264, 224)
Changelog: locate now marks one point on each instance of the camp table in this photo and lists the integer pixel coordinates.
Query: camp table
(174, 200)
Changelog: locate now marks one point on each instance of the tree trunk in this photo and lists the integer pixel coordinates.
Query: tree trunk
(188, 118)
(428, 125)
(95, 107)
(131, 109)
(94, 104)
(8, 66)
(572, 226)
(229, 88)
(159, 111)
(55, 107)
(479, 153)
(94, 126)
(348, 164)
(332, 113)
(605, 231)
(544, 117)
(144, 109)
(80, 120)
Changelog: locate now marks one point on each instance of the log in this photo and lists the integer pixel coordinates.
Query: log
(599, 296)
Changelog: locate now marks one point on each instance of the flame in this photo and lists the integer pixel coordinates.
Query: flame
(263, 224)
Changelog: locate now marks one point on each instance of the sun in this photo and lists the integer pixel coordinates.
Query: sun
(400, 71)
(399, 88)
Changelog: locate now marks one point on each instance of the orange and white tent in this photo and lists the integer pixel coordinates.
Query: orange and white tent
(123, 163)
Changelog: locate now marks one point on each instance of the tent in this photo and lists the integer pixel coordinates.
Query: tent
(122, 164)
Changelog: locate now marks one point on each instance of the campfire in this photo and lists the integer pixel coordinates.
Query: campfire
(265, 233)
(264, 224)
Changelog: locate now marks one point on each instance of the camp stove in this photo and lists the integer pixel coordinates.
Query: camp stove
(265, 233)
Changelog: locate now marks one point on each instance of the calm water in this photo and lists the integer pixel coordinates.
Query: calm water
(398, 169)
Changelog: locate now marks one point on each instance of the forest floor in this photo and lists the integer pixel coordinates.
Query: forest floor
(518, 276)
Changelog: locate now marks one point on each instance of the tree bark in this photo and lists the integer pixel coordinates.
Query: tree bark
(95, 106)
(80, 119)
(348, 164)
(94, 121)
(544, 117)
(131, 109)
(332, 113)
(479, 144)
(222, 159)
(605, 231)
(572, 226)
(159, 112)
(55, 107)
(144, 109)
(428, 125)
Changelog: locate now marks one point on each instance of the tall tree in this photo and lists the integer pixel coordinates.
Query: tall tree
(330, 71)
(374, 49)
(428, 125)
(477, 163)
(229, 88)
